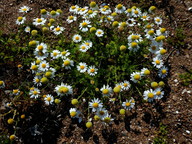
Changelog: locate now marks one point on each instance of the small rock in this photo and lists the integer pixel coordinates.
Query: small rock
(176, 80)
(190, 9)
(176, 112)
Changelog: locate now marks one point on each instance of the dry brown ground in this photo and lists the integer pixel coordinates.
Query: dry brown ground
(142, 124)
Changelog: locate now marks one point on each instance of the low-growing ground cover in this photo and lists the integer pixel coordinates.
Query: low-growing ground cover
(97, 69)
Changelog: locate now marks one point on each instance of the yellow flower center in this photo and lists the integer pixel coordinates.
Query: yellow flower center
(133, 37)
(39, 20)
(35, 92)
(37, 80)
(150, 95)
(107, 119)
(73, 7)
(71, 17)
(164, 71)
(64, 52)
(136, 12)
(20, 19)
(24, 9)
(158, 93)
(153, 47)
(49, 99)
(34, 67)
(157, 20)
(57, 29)
(43, 65)
(66, 62)
(151, 32)
(99, 32)
(119, 6)
(90, 12)
(92, 70)
(53, 12)
(40, 47)
(55, 54)
(157, 62)
(73, 113)
(137, 76)
(95, 105)
(101, 112)
(127, 104)
(146, 72)
(1, 83)
(104, 10)
(83, 47)
(43, 11)
(163, 51)
(148, 26)
(82, 67)
(133, 44)
(144, 17)
(15, 91)
(105, 91)
(125, 84)
(77, 38)
(129, 10)
(84, 24)
(162, 30)
(83, 9)
(63, 89)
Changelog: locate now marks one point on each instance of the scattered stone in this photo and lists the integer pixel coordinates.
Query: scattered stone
(187, 131)
(190, 9)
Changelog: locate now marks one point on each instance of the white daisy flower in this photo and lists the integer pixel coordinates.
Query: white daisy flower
(106, 90)
(54, 14)
(71, 19)
(83, 10)
(128, 12)
(163, 71)
(39, 21)
(95, 104)
(57, 30)
(82, 67)
(92, 70)
(157, 62)
(55, 54)
(99, 33)
(24, 9)
(101, 112)
(134, 38)
(107, 119)
(63, 89)
(43, 66)
(34, 67)
(37, 81)
(108, 19)
(27, 29)
(77, 38)
(160, 52)
(159, 93)
(136, 12)
(73, 9)
(67, 63)
(158, 20)
(88, 43)
(149, 95)
(90, 14)
(145, 17)
(2, 84)
(162, 31)
(41, 47)
(50, 73)
(16, 92)
(64, 54)
(150, 34)
(126, 85)
(128, 104)
(84, 25)
(131, 22)
(105, 10)
(154, 47)
(145, 71)
(20, 20)
(40, 55)
(83, 47)
(148, 27)
(34, 93)
(44, 13)
(120, 9)
(74, 113)
(136, 76)
(49, 99)
(133, 46)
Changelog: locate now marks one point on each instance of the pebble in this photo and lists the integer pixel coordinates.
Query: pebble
(176, 80)
(190, 9)
(176, 112)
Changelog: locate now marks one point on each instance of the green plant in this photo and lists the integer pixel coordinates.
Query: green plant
(186, 78)
(161, 137)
